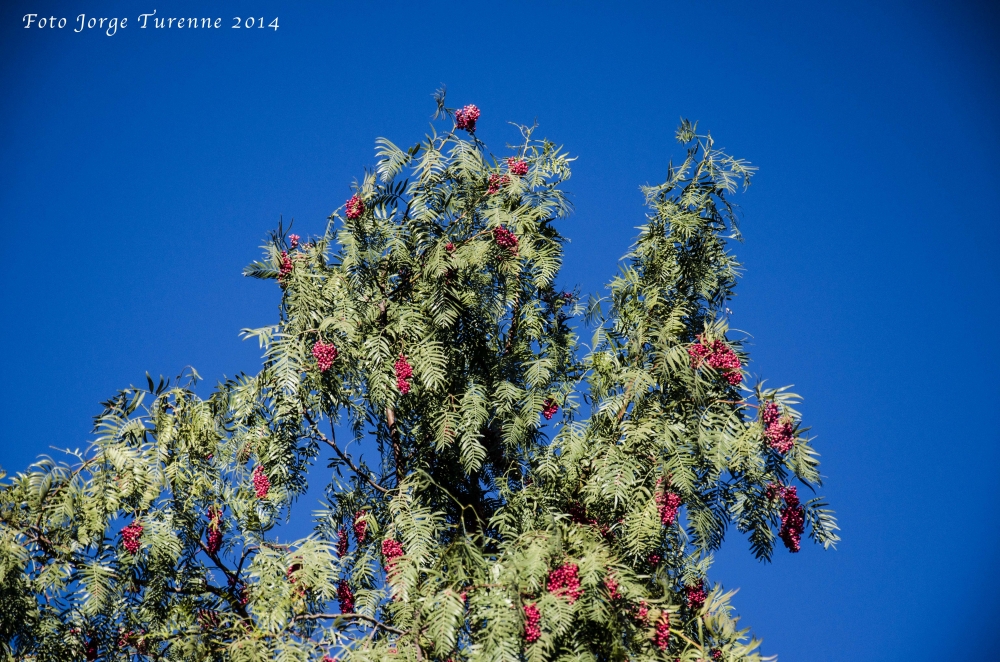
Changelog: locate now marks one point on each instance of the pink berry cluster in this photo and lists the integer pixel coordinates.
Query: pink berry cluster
(532, 618)
(496, 182)
(261, 483)
(565, 581)
(611, 584)
(642, 613)
(345, 596)
(504, 238)
(778, 430)
(668, 503)
(286, 266)
(327, 658)
(716, 654)
(661, 638)
(517, 166)
(293, 240)
(696, 596)
(403, 373)
(130, 538)
(342, 543)
(450, 247)
(719, 357)
(325, 354)
(214, 538)
(466, 118)
(292, 570)
(793, 519)
(355, 207)
(654, 559)
(391, 550)
(550, 409)
(360, 526)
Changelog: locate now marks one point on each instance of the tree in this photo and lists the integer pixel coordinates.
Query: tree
(526, 499)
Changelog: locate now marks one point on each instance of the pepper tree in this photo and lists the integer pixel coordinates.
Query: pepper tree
(520, 496)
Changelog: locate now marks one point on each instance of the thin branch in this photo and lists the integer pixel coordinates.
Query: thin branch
(343, 456)
(350, 616)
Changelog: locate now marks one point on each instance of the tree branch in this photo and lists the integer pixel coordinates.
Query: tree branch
(341, 454)
(350, 616)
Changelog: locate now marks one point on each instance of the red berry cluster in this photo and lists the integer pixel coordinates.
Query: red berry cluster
(465, 118)
(654, 559)
(793, 519)
(668, 503)
(719, 357)
(391, 550)
(778, 430)
(130, 538)
(342, 543)
(324, 353)
(716, 654)
(696, 596)
(662, 636)
(292, 570)
(261, 483)
(496, 182)
(565, 581)
(532, 630)
(642, 613)
(504, 238)
(293, 240)
(355, 207)
(403, 373)
(611, 584)
(327, 658)
(450, 247)
(517, 166)
(360, 526)
(345, 596)
(550, 409)
(286, 266)
(214, 538)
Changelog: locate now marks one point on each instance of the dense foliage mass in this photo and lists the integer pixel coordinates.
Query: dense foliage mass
(525, 497)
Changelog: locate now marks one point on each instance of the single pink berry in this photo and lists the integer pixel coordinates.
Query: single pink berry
(325, 354)
(466, 118)
(550, 409)
(355, 208)
(130, 537)
(293, 240)
(532, 630)
(517, 166)
(261, 483)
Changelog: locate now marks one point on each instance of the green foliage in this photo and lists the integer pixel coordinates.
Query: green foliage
(483, 496)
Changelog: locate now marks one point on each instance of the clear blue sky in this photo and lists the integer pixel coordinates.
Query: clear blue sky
(140, 172)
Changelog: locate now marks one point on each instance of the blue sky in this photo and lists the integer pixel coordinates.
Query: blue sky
(140, 172)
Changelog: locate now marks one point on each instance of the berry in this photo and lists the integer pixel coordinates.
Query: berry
(642, 613)
(391, 550)
(564, 581)
(532, 631)
(779, 431)
(497, 182)
(403, 372)
(517, 166)
(214, 541)
(342, 543)
(130, 538)
(718, 357)
(654, 559)
(612, 585)
(504, 238)
(355, 207)
(662, 636)
(286, 266)
(793, 518)
(716, 654)
(345, 596)
(293, 240)
(668, 503)
(696, 596)
(360, 526)
(465, 118)
(550, 409)
(450, 247)
(324, 354)
(261, 483)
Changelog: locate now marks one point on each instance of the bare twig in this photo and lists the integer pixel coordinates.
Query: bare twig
(341, 454)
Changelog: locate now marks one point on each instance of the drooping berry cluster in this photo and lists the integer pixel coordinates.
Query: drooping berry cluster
(286, 267)
(696, 596)
(668, 503)
(717, 356)
(496, 182)
(403, 373)
(130, 537)
(466, 118)
(450, 247)
(517, 166)
(564, 581)
(345, 596)
(360, 527)
(325, 354)
(611, 584)
(642, 613)
(532, 618)
(661, 638)
(391, 550)
(261, 483)
(214, 538)
(342, 543)
(506, 239)
(355, 207)
(778, 430)
(550, 409)
(293, 240)
(793, 519)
